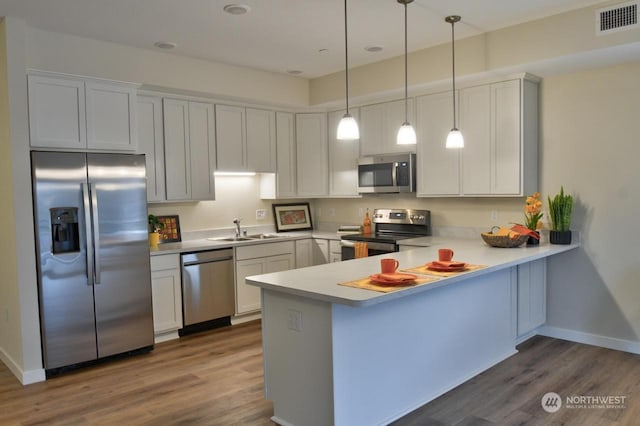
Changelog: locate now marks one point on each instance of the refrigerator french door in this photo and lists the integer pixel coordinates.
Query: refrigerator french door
(94, 277)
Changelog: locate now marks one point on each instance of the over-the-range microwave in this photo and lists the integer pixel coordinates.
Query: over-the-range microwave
(387, 173)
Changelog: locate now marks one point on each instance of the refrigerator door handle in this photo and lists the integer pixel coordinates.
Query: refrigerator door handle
(89, 235)
(96, 232)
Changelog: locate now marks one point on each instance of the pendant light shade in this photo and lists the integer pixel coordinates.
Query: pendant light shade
(406, 134)
(454, 139)
(348, 127)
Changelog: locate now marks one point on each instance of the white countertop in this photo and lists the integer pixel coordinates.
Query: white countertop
(321, 282)
(215, 244)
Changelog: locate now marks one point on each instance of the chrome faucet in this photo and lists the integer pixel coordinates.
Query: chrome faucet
(237, 223)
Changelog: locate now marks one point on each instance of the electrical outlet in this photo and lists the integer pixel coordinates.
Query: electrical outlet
(261, 214)
(360, 212)
(319, 211)
(332, 212)
(494, 215)
(294, 320)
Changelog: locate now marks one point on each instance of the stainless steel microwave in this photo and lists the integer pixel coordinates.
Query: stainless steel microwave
(387, 173)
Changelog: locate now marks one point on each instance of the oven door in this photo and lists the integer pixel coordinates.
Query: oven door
(374, 248)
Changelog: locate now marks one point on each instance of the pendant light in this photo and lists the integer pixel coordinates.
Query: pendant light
(406, 134)
(454, 139)
(348, 127)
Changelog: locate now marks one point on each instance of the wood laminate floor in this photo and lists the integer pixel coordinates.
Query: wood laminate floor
(216, 378)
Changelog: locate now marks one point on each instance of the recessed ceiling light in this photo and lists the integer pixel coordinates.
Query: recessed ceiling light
(373, 48)
(237, 9)
(294, 72)
(168, 45)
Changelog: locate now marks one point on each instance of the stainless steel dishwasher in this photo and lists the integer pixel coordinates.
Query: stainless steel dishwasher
(207, 286)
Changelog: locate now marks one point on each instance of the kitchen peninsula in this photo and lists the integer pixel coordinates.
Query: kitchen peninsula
(337, 355)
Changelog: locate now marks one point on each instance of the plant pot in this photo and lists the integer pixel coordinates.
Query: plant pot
(560, 237)
(154, 239)
(533, 241)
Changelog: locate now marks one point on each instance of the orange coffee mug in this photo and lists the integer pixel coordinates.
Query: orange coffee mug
(389, 266)
(445, 255)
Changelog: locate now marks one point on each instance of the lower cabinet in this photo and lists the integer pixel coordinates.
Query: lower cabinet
(531, 296)
(255, 260)
(312, 251)
(335, 251)
(166, 292)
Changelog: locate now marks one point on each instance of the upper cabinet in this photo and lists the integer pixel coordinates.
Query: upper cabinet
(312, 155)
(246, 139)
(75, 113)
(285, 179)
(438, 170)
(190, 152)
(379, 126)
(151, 143)
(499, 122)
(343, 159)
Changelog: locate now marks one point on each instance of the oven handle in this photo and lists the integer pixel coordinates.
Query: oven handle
(372, 245)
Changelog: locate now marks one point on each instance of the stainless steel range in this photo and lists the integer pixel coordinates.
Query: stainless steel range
(390, 226)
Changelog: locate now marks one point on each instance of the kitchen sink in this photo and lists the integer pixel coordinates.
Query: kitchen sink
(232, 239)
(262, 236)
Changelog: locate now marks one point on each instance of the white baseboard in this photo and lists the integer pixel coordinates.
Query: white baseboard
(245, 318)
(591, 339)
(166, 336)
(25, 377)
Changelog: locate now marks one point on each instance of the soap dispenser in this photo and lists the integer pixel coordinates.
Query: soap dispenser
(366, 224)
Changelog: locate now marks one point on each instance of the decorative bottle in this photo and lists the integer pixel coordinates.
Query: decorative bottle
(366, 225)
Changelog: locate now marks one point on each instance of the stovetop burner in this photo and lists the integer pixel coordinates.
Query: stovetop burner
(392, 225)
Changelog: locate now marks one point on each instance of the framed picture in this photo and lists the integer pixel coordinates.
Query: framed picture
(292, 217)
(171, 231)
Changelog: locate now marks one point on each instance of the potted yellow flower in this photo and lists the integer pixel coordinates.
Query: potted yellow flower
(532, 217)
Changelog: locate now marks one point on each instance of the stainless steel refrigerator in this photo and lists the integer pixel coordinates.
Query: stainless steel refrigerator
(93, 255)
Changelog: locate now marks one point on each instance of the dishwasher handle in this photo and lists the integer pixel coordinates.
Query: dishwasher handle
(201, 257)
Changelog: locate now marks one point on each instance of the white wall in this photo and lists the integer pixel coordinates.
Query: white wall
(77, 55)
(20, 329)
(236, 197)
(590, 127)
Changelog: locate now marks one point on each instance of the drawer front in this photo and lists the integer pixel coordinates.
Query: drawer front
(262, 250)
(166, 261)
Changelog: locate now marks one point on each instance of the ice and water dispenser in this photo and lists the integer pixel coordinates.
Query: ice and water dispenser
(64, 230)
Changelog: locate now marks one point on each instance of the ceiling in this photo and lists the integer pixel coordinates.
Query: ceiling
(280, 35)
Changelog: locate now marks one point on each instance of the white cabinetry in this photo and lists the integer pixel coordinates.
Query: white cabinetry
(286, 155)
(531, 296)
(190, 153)
(151, 143)
(74, 113)
(499, 122)
(304, 253)
(343, 159)
(312, 155)
(167, 296)
(311, 251)
(438, 167)
(379, 125)
(246, 139)
(256, 260)
(335, 251)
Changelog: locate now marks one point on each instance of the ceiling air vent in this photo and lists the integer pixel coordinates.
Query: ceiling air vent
(620, 17)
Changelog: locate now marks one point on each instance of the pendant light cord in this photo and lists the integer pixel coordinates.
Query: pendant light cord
(346, 57)
(406, 79)
(453, 67)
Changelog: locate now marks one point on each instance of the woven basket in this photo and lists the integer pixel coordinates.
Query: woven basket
(503, 241)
